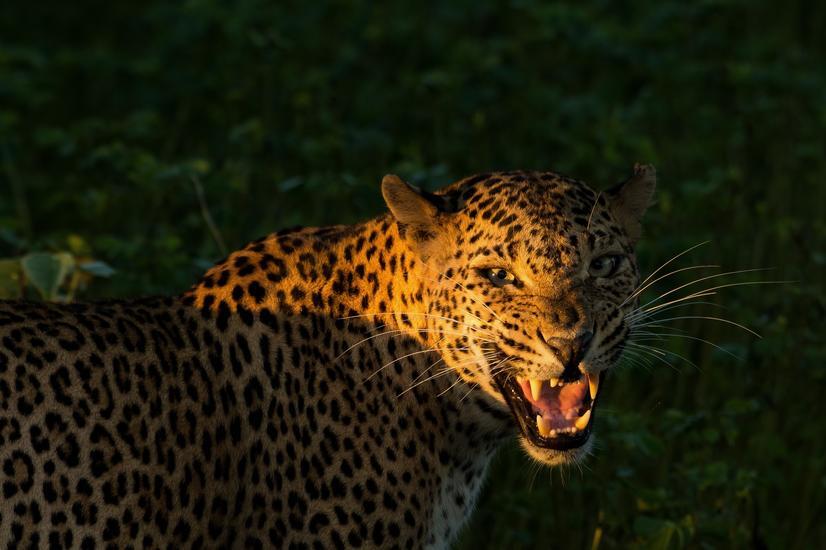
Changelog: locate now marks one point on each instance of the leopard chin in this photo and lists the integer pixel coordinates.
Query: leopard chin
(555, 417)
(553, 457)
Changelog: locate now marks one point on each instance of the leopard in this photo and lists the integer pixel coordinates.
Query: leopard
(330, 387)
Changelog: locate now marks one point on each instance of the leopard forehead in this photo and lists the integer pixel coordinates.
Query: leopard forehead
(541, 215)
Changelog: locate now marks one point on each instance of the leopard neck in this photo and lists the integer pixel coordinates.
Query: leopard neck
(360, 272)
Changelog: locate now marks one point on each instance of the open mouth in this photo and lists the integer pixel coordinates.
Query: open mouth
(552, 414)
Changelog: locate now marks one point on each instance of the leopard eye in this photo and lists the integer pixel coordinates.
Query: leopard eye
(499, 276)
(604, 266)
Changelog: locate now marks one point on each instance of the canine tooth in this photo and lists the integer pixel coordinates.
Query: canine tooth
(593, 385)
(553, 382)
(544, 426)
(582, 421)
(536, 388)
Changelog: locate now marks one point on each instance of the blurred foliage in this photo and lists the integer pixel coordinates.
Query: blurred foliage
(129, 126)
(55, 276)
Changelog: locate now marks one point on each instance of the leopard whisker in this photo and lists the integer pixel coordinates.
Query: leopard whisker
(473, 386)
(662, 337)
(716, 275)
(447, 369)
(642, 289)
(440, 373)
(403, 331)
(702, 317)
(729, 285)
(500, 369)
(376, 329)
(637, 360)
(418, 352)
(458, 380)
(657, 351)
(591, 215)
(424, 371)
(672, 332)
(633, 294)
(665, 353)
(660, 357)
(635, 336)
(412, 313)
(536, 466)
(501, 366)
(645, 314)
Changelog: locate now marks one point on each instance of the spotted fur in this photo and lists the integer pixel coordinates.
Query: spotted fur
(320, 388)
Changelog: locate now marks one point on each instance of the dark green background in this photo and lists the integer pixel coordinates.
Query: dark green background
(290, 113)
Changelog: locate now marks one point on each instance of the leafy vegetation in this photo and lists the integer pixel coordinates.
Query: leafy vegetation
(152, 137)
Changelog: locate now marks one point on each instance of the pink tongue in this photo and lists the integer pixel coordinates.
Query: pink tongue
(572, 395)
(565, 401)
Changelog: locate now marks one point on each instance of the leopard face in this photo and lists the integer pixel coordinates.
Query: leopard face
(532, 276)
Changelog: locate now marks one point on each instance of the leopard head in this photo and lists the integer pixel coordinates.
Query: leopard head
(529, 280)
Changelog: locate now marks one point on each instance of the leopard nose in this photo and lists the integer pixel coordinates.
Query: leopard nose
(571, 351)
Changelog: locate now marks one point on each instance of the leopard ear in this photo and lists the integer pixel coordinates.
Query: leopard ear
(631, 198)
(417, 213)
(409, 205)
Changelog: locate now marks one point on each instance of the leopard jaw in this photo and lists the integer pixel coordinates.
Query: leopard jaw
(545, 421)
(553, 420)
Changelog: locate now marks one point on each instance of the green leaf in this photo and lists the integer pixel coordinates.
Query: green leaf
(47, 271)
(97, 268)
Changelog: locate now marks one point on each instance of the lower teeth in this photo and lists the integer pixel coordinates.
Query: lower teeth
(545, 430)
